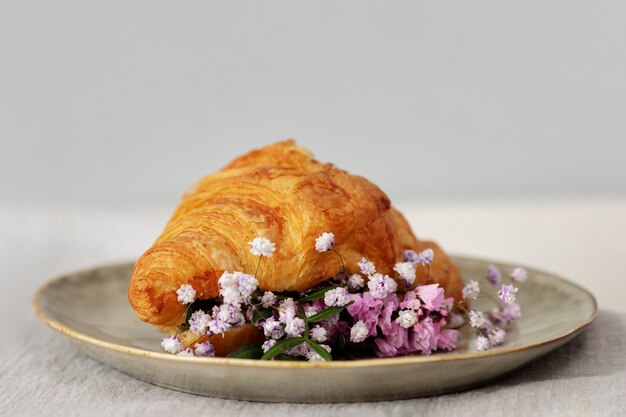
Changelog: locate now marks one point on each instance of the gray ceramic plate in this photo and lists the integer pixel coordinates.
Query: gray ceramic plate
(91, 308)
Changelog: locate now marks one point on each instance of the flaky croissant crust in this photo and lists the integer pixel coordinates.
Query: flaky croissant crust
(279, 192)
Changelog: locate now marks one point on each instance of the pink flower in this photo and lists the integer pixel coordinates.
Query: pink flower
(384, 348)
(410, 301)
(433, 296)
(448, 339)
(365, 308)
(425, 336)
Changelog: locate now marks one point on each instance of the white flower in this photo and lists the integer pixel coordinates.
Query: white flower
(186, 352)
(476, 318)
(381, 285)
(262, 247)
(231, 314)
(247, 284)
(496, 336)
(358, 332)
(268, 344)
(227, 280)
(336, 298)
(471, 290)
(218, 326)
(325, 242)
(172, 344)
(204, 349)
(426, 256)
(231, 295)
(272, 328)
(286, 310)
(312, 355)
(356, 282)
(518, 275)
(406, 270)
(482, 343)
(294, 327)
(367, 267)
(318, 334)
(407, 318)
(199, 322)
(507, 293)
(186, 294)
(268, 299)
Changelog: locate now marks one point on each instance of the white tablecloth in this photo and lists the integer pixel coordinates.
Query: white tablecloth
(42, 373)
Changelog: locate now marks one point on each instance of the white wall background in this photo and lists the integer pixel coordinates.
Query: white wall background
(129, 102)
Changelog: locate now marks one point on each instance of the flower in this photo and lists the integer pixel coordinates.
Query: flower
(482, 342)
(367, 267)
(186, 352)
(455, 320)
(310, 310)
(432, 296)
(476, 318)
(337, 297)
(186, 294)
(471, 290)
(268, 299)
(365, 308)
(448, 339)
(231, 295)
(313, 356)
(356, 282)
(410, 256)
(518, 275)
(406, 318)
(505, 315)
(507, 293)
(218, 326)
(426, 256)
(286, 310)
(358, 332)
(425, 336)
(231, 315)
(325, 242)
(204, 349)
(272, 328)
(172, 344)
(496, 336)
(384, 348)
(493, 275)
(318, 334)
(262, 247)
(199, 322)
(268, 344)
(246, 284)
(294, 327)
(381, 285)
(406, 270)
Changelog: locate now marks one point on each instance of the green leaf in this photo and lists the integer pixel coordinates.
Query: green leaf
(328, 313)
(253, 351)
(281, 346)
(320, 350)
(317, 294)
(261, 314)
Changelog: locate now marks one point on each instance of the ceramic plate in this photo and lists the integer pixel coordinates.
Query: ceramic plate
(91, 308)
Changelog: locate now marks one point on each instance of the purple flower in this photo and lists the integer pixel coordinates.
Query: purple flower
(471, 290)
(518, 275)
(406, 271)
(425, 336)
(218, 326)
(295, 327)
(410, 301)
(204, 349)
(367, 267)
(186, 294)
(286, 310)
(337, 297)
(268, 344)
(496, 336)
(505, 315)
(476, 318)
(507, 293)
(426, 256)
(325, 242)
(313, 356)
(318, 334)
(493, 275)
(272, 328)
(172, 344)
(448, 339)
(231, 315)
(199, 322)
(268, 299)
(384, 348)
(410, 256)
(186, 352)
(367, 309)
(432, 296)
(246, 284)
(381, 285)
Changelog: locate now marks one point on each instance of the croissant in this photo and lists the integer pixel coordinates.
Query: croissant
(282, 193)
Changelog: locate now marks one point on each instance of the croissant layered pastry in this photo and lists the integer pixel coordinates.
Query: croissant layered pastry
(282, 193)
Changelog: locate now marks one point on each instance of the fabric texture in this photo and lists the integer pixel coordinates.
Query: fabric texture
(42, 373)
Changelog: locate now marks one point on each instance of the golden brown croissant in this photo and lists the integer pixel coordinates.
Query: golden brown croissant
(279, 192)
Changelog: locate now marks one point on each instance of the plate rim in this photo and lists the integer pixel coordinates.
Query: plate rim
(256, 363)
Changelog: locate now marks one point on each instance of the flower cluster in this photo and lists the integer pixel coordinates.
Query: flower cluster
(491, 326)
(360, 312)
